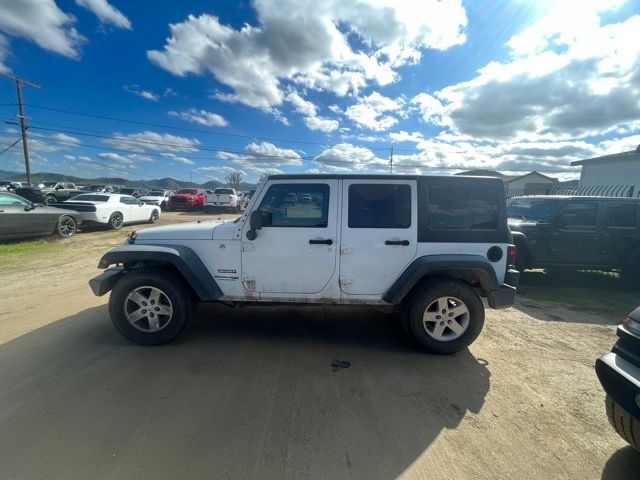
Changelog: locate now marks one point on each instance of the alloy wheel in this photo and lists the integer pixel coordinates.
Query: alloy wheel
(446, 319)
(148, 309)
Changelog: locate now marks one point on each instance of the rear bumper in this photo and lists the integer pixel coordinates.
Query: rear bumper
(621, 380)
(105, 282)
(505, 296)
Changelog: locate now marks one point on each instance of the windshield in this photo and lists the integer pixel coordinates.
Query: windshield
(538, 209)
(49, 184)
(223, 191)
(155, 193)
(188, 191)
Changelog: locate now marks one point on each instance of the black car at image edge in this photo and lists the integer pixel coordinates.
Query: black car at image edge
(577, 232)
(619, 374)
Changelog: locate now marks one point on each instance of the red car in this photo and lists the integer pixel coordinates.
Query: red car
(187, 198)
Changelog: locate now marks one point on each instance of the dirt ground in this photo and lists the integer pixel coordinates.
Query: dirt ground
(250, 393)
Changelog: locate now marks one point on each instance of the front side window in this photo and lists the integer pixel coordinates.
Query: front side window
(297, 205)
(375, 205)
(463, 208)
(622, 215)
(579, 214)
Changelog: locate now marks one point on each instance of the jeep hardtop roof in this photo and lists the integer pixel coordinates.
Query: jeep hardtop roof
(294, 176)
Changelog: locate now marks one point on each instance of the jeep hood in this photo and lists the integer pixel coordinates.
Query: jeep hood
(181, 231)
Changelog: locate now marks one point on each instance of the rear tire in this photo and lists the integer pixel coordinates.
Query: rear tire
(443, 316)
(116, 221)
(155, 216)
(623, 423)
(66, 226)
(174, 302)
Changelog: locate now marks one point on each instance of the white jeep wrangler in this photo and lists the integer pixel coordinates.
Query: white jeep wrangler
(427, 247)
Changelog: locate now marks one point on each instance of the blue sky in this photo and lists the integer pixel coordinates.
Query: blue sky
(196, 89)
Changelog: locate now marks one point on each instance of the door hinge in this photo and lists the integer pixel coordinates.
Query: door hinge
(344, 249)
(248, 247)
(345, 280)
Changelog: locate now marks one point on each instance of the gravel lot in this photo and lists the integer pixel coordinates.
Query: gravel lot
(250, 393)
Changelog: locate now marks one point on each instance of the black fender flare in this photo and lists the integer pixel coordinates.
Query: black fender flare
(476, 266)
(184, 259)
(523, 248)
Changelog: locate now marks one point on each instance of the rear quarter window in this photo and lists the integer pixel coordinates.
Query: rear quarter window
(462, 208)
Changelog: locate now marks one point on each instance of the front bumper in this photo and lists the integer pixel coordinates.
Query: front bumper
(621, 380)
(105, 282)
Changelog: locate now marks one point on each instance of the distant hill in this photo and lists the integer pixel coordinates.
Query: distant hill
(167, 183)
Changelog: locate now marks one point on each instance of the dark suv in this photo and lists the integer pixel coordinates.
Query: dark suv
(578, 232)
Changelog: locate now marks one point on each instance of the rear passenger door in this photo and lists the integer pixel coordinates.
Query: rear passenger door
(574, 234)
(379, 233)
(620, 231)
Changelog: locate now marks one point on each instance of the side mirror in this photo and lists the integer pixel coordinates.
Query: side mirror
(29, 207)
(255, 223)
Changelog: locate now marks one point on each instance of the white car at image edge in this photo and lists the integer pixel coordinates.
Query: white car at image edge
(111, 209)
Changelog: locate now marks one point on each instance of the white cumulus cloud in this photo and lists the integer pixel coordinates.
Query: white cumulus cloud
(106, 12)
(202, 117)
(310, 43)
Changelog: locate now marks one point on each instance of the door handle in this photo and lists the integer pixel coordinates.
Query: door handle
(321, 242)
(397, 242)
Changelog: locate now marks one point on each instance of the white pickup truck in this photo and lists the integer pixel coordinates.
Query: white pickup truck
(223, 198)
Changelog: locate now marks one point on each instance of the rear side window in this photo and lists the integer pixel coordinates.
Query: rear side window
(462, 208)
(622, 215)
(376, 205)
(297, 205)
(91, 198)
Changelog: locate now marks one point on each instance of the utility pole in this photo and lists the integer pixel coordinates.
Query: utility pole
(391, 161)
(23, 118)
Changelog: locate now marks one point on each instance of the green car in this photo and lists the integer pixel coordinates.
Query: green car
(59, 191)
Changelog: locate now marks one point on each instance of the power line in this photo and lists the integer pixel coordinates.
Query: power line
(23, 119)
(185, 129)
(12, 145)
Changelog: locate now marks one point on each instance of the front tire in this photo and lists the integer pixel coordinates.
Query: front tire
(116, 221)
(50, 199)
(151, 307)
(623, 423)
(444, 316)
(66, 226)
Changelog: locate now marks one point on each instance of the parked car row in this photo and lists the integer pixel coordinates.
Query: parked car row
(22, 218)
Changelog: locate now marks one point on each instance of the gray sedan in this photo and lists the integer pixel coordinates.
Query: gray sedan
(20, 218)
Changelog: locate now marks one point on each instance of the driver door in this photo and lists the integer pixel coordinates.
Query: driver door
(295, 250)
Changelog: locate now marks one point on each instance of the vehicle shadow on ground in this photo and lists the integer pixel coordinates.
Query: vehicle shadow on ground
(623, 465)
(244, 394)
(579, 297)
